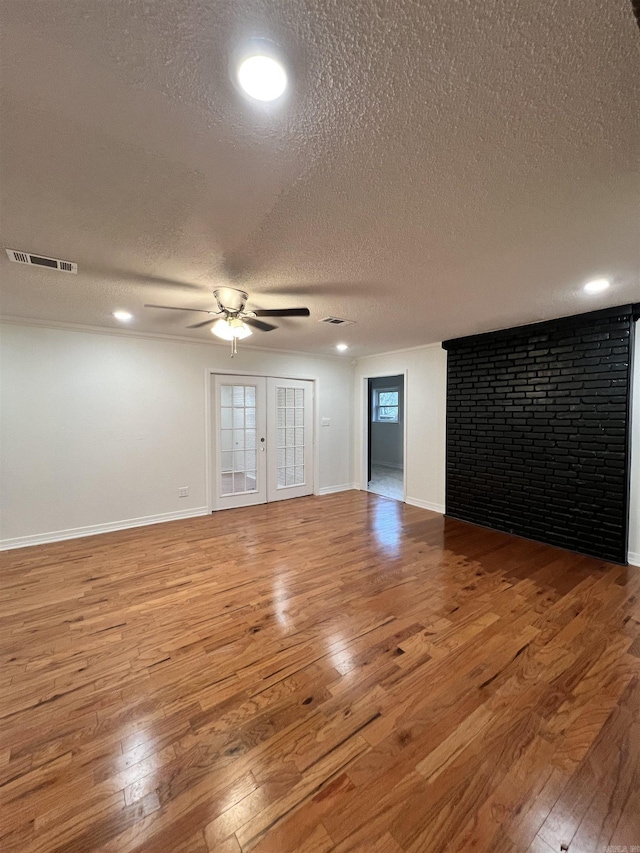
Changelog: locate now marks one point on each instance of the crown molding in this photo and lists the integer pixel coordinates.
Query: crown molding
(437, 345)
(154, 336)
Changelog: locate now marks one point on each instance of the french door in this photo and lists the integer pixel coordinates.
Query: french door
(262, 440)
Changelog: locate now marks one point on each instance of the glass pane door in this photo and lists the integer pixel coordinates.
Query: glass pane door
(239, 464)
(237, 439)
(290, 434)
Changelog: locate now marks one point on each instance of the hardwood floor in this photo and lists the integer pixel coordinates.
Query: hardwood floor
(344, 673)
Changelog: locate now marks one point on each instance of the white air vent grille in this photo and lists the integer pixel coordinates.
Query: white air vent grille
(41, 261)
(336, 321)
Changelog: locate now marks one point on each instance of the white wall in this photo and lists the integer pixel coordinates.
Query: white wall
(425, 394)
(100, 430)
(634, 511)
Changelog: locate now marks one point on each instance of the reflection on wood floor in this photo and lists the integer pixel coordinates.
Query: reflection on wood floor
(328, 674)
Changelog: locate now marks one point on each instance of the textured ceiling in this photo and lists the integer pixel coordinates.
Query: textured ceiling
(438, 168)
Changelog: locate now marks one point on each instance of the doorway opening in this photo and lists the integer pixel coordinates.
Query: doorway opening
(385, 434)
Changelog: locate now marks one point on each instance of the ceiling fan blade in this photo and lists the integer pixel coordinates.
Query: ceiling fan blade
(177, 308)
(258, 324)
(200, 325)
(282, 312)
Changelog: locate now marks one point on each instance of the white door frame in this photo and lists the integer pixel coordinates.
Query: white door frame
(364, 427)
(208, 426)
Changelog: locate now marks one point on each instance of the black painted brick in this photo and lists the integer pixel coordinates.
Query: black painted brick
(537, 431)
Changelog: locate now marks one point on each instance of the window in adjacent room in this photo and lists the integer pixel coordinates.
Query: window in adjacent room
(385, 405)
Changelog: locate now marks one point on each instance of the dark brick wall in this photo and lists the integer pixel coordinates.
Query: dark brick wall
(538, 425)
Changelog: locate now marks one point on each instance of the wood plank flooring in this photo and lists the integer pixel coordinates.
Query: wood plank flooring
(344, 673)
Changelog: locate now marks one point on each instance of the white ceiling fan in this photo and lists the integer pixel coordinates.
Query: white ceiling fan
(231, 321)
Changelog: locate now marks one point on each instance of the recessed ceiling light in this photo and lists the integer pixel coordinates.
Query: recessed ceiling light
(598, 285)
(262, 77)
(123, 316)
(341, 347)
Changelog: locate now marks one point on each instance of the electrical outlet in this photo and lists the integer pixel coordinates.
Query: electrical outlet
(326, 422)
(183, 492)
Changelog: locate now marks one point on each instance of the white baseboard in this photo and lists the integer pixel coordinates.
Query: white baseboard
(425, 505)
(93, 529)
(633, 558)
(330, 490)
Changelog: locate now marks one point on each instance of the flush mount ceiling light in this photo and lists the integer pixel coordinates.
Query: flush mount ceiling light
(262, 77)
(230, 329)
(342, 347)
(123, 316)
(598, 285)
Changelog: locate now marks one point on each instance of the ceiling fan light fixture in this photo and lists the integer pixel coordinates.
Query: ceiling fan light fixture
(221, 329)
(231, 328)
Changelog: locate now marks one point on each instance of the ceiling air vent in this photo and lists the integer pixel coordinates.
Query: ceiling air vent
(40, 261)
(336, 321)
